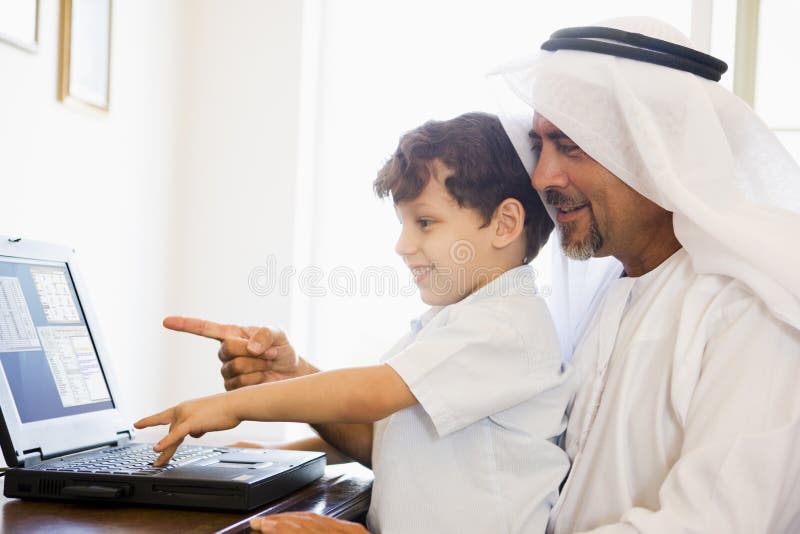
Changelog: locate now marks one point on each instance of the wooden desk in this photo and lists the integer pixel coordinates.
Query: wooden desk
(343, 492)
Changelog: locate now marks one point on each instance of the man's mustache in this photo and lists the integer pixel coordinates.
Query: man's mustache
(557, 199)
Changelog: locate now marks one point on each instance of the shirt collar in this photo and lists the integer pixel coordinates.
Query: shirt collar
(517, 281)
(420, 322)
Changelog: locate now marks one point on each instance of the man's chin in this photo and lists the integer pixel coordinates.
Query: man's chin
(588, 246)
(577, 252)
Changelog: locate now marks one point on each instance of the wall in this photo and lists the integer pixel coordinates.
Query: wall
(102, 183)
(175, 195)
(237, 149)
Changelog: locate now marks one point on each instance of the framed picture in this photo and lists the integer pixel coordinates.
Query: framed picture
(85, 63)
(19, 23)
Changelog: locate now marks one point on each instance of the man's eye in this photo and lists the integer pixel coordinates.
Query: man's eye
(570, 150)
(536, 148)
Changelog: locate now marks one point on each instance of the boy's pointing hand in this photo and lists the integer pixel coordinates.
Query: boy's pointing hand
(192, 418)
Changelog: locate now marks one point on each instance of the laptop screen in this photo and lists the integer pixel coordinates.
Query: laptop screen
(47, 354)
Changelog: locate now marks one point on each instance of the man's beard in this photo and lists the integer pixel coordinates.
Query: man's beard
(586, 247)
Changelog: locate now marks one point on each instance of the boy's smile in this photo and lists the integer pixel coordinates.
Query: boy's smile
(420, 272)
(447, 247)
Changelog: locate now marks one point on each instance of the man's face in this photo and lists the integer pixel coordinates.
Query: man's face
(597, 213)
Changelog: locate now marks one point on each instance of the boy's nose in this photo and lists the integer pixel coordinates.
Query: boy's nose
(405, 245)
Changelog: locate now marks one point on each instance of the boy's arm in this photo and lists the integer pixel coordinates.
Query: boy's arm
(356, 395)
(252, 355)
(353, 395)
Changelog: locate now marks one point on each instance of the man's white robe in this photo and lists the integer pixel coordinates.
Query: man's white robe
(688, 417)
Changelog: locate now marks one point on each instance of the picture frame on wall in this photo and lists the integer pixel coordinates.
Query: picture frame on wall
(19, 24)
(85, 59)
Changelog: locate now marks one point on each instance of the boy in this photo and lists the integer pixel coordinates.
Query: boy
(465, 409)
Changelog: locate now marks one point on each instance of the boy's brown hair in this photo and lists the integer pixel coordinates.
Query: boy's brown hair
(486, 171)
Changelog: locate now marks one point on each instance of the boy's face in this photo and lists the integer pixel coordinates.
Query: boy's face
(447, 247)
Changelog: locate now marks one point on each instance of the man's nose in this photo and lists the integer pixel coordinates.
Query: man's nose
(548, 173)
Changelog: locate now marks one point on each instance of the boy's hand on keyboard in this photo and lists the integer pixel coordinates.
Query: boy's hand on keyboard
(191, 418)
(249, 355)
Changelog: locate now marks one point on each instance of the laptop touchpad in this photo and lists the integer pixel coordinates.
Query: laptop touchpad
(240, 463)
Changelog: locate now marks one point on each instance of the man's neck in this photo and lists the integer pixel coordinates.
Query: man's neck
(660, 249)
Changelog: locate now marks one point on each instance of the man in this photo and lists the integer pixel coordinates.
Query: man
(689, 410)
(688, 414)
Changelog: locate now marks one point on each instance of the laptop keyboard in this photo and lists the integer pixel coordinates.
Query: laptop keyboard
(133, 460)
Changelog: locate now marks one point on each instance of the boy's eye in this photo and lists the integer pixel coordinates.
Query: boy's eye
(424, 223)
(536, 147)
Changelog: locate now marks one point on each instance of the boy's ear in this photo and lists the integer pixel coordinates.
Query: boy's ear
(508, 221)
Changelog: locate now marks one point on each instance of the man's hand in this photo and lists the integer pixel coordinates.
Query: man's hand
(192, 418)
(249, 355)
(304, 523)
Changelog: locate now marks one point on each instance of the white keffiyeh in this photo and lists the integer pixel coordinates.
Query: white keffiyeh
(682, 141)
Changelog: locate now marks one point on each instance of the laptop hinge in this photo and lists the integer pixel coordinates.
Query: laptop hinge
(30, 458)
(123, 437)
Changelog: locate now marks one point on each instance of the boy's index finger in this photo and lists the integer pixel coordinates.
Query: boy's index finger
(201, 327)
(161, 418)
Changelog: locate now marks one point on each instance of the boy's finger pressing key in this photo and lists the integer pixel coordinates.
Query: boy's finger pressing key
(166, 446)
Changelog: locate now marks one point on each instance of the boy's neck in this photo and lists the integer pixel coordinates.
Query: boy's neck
(492, 275)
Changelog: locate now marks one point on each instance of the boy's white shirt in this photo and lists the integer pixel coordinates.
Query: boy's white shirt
(478, 453)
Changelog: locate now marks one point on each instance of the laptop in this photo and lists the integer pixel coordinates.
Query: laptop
(63, 434)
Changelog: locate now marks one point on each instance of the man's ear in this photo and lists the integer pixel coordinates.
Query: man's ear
(508, 222)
